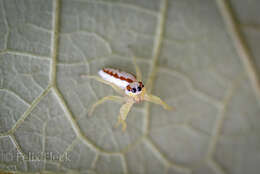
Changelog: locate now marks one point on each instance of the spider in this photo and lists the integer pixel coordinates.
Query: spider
(128, 85)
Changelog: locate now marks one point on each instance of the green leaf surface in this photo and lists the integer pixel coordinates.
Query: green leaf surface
(200, 56)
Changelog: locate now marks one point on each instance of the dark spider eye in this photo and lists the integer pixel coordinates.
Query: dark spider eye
(133, 90)
(128, 88)
(139, 88)
(141, 84)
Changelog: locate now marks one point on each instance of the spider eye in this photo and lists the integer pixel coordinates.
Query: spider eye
(133, 90)
(128, 88)
(139, 88)
(141, 84)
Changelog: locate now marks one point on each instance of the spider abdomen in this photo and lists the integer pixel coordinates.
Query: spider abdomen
(117, 77)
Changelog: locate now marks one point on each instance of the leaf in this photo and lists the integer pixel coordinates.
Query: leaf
(198, 56)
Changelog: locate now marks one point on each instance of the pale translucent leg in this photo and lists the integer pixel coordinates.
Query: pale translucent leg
(104, 99)
(157, 100)
(124, 110)
(137, 70)
(99, 79)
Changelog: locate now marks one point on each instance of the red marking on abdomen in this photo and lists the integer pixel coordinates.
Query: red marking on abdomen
(116, 75)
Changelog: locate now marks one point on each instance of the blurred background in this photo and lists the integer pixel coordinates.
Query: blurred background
(202, 57)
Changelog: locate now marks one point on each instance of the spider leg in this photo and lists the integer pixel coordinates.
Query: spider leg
(99, 79)
(124, 110)
(137, 70)
(104, 99)
(157, 100)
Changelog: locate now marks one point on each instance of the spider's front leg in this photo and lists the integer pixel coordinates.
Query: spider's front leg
(137, 70)
(104, 99)
(157, 100)
(124, 110)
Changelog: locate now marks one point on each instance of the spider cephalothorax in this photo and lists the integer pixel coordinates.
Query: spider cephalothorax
(127, 84)
(136, 90)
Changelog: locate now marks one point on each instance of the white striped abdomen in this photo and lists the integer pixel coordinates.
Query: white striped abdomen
(117, 77)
